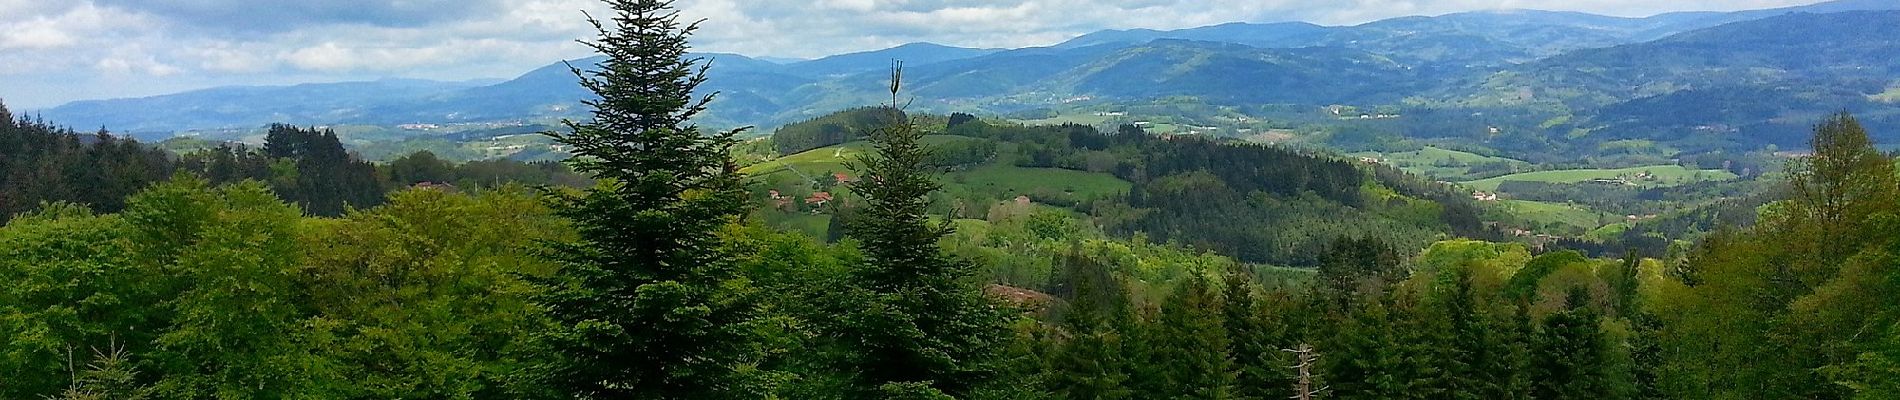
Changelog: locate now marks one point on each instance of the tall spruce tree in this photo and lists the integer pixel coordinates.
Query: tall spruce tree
(647, 304)
(917, 324)
(1485, 360)
(1188, 346)
(1569, 356)
(1091, 361)
(1258, 331)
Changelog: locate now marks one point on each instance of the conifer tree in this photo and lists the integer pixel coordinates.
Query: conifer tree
(917, 325)
(647, 304)
(1363, 357)
(1188, 347)
(1485, 360)
(1257, 337)
(1092, 361)
(1569, 359)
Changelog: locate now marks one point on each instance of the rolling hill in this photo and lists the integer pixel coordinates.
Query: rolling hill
(313, 103)
(1607, 77)
(868, 61)
(1756, 81)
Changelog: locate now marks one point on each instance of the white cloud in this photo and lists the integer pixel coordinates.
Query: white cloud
(53, 51)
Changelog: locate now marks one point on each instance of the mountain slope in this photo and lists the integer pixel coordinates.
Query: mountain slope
(1748, 81)
(1838, 48)
(1231, 73)
(746, 87)
(912, 54)
(1469, 39)
(248, 106)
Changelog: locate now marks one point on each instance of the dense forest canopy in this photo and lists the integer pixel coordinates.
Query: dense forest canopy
(884, 254)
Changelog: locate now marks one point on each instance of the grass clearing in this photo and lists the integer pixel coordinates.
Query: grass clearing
(1440, 162)
(834, 158)
(996, 179)
(1090, 119)
(1009, 179)
(1545, 213)
(1658, 176)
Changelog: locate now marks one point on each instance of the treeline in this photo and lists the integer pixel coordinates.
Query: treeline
(195, 291)
(40, 163)
(310, 167)
(1194, 190)
(1799, 305)
(1465, 319)
(833, 129)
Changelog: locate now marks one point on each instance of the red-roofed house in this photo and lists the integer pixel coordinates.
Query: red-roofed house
(818, 198)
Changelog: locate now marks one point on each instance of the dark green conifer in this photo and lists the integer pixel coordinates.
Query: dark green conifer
(647, 304)
(917, 324)
(1187, 347)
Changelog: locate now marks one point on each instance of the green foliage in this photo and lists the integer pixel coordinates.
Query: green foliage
(918, 326)
(833, 129)
(1570, 357)
(1788, 308)
(109, 376)
(1645, 177)
(328, 180)
(646, 304)
(231, 302)
(423, 297)
(1186, 347)
(41, 163)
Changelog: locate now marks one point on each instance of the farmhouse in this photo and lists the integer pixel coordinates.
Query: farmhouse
(818, 198)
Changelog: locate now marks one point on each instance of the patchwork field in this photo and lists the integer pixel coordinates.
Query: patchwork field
(834, 158)
(1004, 180)
(1658, 176)
(1443, 163)
(1545, 213)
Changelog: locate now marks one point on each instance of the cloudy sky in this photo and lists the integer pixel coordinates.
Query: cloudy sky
(54, 51)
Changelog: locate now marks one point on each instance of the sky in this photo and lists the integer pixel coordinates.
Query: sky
(56, 51)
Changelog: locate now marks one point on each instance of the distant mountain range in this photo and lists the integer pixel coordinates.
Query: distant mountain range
(1602, 71)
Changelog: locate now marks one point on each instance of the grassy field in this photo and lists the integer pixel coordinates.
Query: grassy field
(1546, 213)
(992, 178)
(1662, 176)
(1438, 162)
(834, 158)
(1078, 118)
(1005, 180)
(815, 225)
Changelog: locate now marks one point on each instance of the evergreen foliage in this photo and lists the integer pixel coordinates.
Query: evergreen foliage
(40, 163)
(914, 322)
(647, 304)
(328, 180)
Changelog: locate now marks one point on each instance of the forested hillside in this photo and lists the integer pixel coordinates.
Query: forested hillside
(1175, 189)
(150, 289)
(45, 164)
